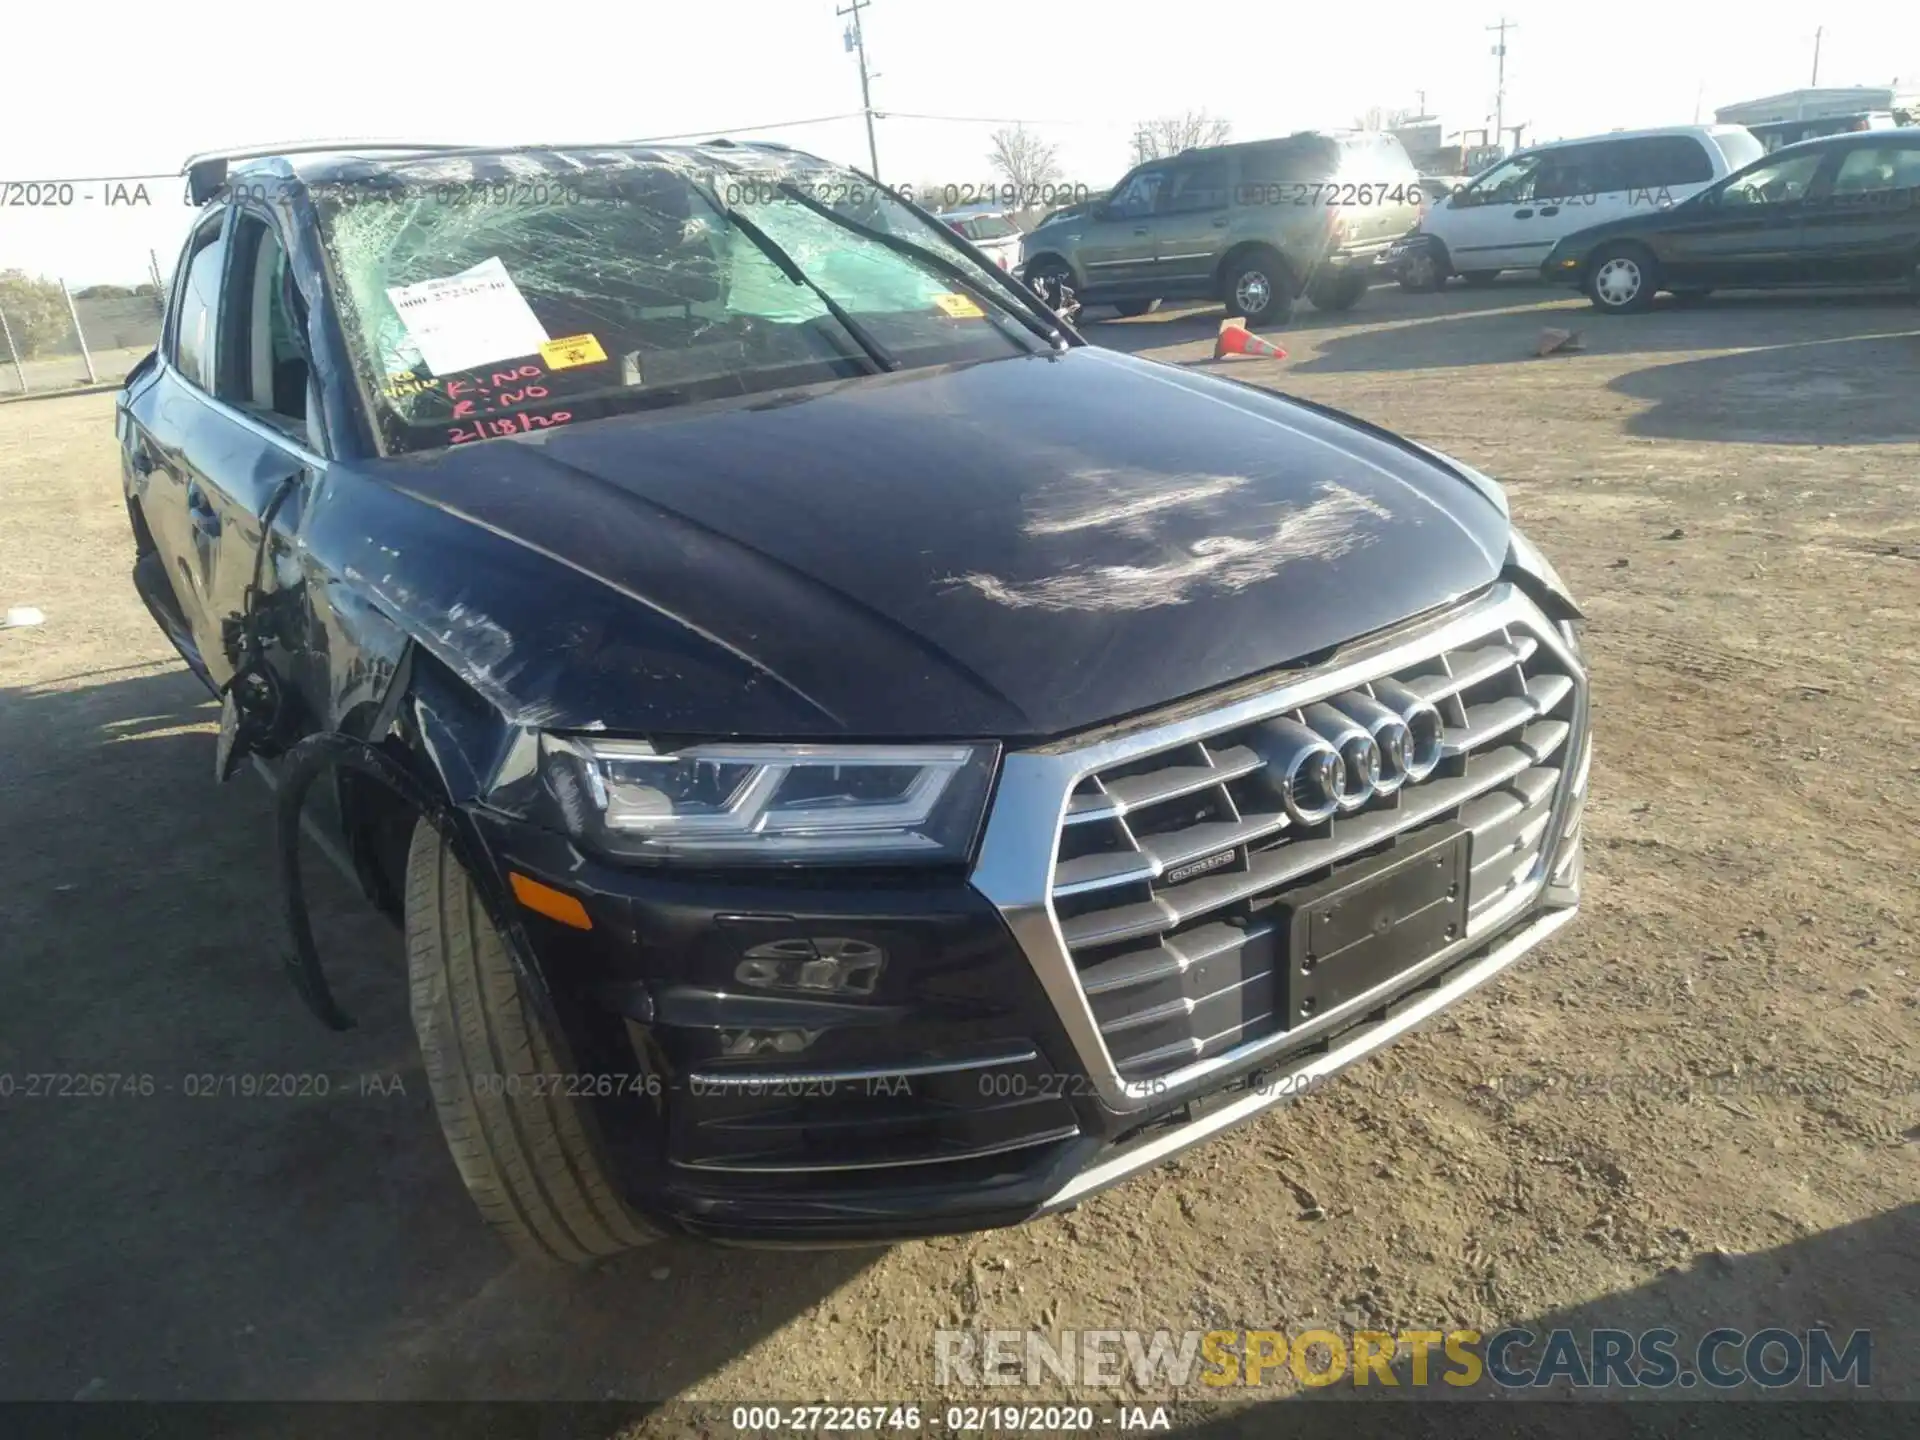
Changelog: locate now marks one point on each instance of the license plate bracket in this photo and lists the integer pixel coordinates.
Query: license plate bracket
(1372, 919)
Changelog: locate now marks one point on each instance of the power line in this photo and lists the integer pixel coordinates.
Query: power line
(983, 119)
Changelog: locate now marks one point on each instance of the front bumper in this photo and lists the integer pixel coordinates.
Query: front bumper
(972, 1085)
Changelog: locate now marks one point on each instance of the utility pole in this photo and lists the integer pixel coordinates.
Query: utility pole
(1821, 30)
(857, 42)
(1500, 91)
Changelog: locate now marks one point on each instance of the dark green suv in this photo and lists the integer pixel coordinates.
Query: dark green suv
(1256, 225)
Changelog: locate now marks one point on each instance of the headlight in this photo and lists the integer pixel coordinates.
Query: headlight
(741, 804)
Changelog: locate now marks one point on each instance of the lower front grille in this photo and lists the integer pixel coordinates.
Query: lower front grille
(1175, 843)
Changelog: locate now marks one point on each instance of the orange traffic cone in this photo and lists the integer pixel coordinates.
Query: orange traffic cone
(1236, 339)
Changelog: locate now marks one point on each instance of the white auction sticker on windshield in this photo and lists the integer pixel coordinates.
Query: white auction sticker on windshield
(470, 319)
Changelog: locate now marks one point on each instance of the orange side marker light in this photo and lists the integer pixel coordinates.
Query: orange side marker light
(547, 901)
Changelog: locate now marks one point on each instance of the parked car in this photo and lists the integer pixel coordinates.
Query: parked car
(851, 759)
(1256, 225)
(992, 231)
(1843, 210)
(1510, 215)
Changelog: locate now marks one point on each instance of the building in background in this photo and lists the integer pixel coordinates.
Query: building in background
(1435, 150)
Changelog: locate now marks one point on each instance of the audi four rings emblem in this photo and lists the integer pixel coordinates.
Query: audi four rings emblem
(1344, 751)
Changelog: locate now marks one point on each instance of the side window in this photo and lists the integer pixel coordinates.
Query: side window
(1774, 183)
(1197, 185)
(1569, 172)
(1680, 160)
(1294, 162)
(1507, 184)
(192, 348)
(1135, 197)
(1659, 161)
(1877, 168)
(261, 364)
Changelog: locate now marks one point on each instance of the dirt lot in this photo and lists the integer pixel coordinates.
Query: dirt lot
(1697, 1106)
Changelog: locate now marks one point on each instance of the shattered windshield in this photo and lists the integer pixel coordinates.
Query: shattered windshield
(493, 303)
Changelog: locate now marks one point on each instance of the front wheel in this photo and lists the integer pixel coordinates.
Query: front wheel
(1620, 280)
(1420, 273)
(1260, 292)
(517, 1135)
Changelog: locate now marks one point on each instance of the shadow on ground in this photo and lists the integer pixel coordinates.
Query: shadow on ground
(1860, 391)
(181, 1238)
(1507, 336)
(1860, 1277)
(1184, 323)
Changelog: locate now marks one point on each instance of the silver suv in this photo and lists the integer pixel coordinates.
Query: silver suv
(1255, 225)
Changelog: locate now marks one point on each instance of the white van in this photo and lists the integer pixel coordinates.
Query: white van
(1510, 216)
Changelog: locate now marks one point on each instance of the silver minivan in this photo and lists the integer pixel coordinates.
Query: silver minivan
(1511, 215)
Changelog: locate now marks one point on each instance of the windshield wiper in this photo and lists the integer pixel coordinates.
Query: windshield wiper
(959, 276)
(863, 337)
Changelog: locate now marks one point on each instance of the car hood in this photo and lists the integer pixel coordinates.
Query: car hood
(1017, 548)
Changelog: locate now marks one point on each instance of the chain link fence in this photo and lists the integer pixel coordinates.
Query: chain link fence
(53, 338)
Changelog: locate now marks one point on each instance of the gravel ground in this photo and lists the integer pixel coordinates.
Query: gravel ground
(1697, 1106)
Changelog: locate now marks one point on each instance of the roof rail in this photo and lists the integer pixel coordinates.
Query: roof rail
(316, 147)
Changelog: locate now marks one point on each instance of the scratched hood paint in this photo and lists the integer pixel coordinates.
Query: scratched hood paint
(1018, 548)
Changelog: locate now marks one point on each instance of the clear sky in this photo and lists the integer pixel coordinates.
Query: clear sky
(118, 92)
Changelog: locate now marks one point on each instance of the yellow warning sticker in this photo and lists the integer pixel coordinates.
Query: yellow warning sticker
(572, 350)
(960, 307)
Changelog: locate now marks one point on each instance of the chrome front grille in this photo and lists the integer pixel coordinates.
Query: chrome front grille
(1155, 934)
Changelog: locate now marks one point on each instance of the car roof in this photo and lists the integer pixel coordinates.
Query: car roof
(1899, 136)
(1698, 132)
(346, 161)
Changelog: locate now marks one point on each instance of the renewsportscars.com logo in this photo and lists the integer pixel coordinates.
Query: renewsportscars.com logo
(1517, 1359)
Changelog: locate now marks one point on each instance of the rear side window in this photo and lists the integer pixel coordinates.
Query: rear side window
(988, 227)
(1874, 169)
(1196, 185)
(1290, 163)
(1741, 148)
(1656, 162)
(192, 352)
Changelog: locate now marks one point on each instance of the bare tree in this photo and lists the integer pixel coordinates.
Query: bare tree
(1171, 134)
(1024, 161)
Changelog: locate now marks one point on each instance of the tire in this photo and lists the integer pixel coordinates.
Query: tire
(523, 1151)
(1479, 279)
(1339, 293)
(1129, 309)
(1621, 279)
(1259, 290)
(1422, 274)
